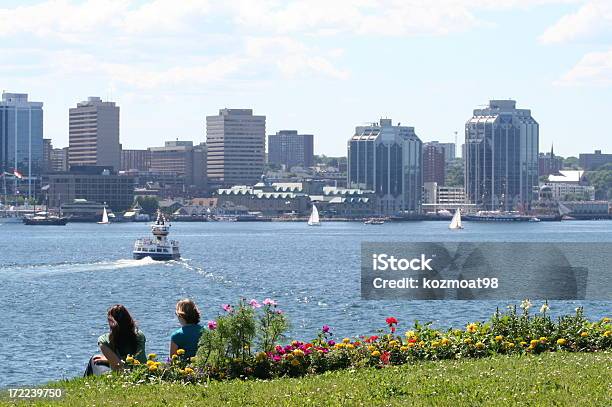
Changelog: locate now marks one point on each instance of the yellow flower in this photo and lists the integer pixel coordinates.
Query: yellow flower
(499, 338)
(605, 320)
(136, 362)
(543, 339)
(346, 340)
(129, 359)
(509, 345)
(339, 346)
(422, 343)
(298, 352)
(261, 356)
(152, 368)
(411, 334)
(445, 341)
(411, 344)
(435, 344)
(393, 343)
(150, 363)
(479, 345)
(533, 343)
(288, 356)
(152, 356)
(584, 334)
(295, 362)
(174, 357)
(180, 352)
(188, 370)
(467, 341)
(607, 334)
(561, 341)
(376, 353)
(350, 346)
(523, 343)
(371, 348)
(404, 348)
(472, 327)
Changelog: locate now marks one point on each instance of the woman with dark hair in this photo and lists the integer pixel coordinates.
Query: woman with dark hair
(188, 335)
(123, 340)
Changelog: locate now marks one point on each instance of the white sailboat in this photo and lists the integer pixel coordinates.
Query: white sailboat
(104, 218)
(456, 221)
(314, 217)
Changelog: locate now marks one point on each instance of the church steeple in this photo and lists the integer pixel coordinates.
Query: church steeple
(552, 152)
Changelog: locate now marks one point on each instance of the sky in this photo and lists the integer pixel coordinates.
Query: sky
(320, 67)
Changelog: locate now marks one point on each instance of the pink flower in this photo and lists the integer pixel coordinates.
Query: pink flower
(325, 328)
(212, 325)
(276, 358)
(279, 311)
(269, 301)
(254, 303)
(227, 308)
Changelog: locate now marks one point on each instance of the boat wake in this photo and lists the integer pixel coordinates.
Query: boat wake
(67, 268)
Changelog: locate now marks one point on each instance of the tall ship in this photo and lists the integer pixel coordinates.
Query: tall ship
(45, 219)
(158, 247)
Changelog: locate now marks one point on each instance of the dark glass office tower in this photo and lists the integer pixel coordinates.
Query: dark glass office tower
(387, 159)
(501, 157)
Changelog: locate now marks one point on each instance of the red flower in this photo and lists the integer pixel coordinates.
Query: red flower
(371, 339)
(384, 357)
(412, 340)
(391, 321)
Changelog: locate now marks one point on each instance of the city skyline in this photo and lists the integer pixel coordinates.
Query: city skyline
(447, 57)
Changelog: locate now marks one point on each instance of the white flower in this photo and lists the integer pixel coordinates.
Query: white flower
(544, 308)
(526, 304)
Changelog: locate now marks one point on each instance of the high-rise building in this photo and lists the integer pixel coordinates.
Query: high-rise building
(590, 161)
(434, 163)
(291, 149)
(135, 160)
(387, 159)
(21, 137)
(59, 159)
(47, 148)
(236, 147)
(501, 156)
(183, 159)
(549, 163)
(94, 134)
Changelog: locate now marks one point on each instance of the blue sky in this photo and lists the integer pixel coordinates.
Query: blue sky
(316, 66)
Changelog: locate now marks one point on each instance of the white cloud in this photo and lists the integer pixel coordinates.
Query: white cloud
(590, 19)
(595, 68)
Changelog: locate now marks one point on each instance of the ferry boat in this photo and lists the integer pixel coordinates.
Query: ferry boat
(159, 247)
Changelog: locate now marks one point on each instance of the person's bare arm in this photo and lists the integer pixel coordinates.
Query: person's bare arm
(114, 361)
(173, 348)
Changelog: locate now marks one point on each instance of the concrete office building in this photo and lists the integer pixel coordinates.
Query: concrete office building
(591, 161)
(47, 148)
(291, 149)
(93, 183)
(388, 160)
(501, 157)
(135, 160)
(59, 159)
(94, 134)
(21, 139)
(183, 159)
(236, 147)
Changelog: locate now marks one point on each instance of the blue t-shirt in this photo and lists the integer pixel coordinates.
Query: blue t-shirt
(187, 337)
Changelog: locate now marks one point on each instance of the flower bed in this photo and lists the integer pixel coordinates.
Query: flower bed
(244, 342)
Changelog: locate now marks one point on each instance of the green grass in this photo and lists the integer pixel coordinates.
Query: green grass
(572, 379)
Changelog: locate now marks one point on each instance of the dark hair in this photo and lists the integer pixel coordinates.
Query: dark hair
(123, 337)
(188, 310)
